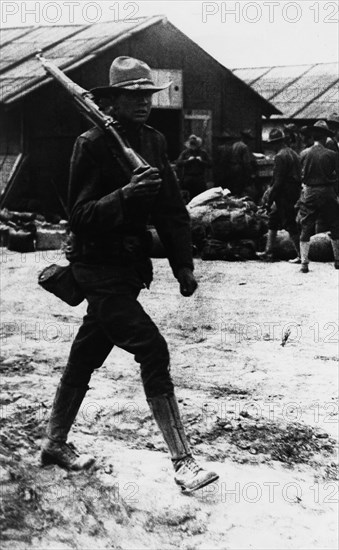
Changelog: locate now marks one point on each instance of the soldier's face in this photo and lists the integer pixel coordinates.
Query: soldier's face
(133, 106)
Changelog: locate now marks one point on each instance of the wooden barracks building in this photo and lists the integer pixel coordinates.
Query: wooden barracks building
(39, 123)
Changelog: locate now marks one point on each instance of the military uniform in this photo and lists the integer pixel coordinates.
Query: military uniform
(111, 254)
(192, 164)
(319, 199)
(283, 194)
(110, 208)
(285, 190)
(242, 168)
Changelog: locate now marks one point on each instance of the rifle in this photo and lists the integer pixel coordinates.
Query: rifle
(85, 103)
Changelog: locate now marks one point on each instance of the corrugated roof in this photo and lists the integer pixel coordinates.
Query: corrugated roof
(7, 35)
(298, 91)
(67, 45)
(325, 104)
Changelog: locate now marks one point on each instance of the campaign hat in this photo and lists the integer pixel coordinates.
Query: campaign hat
(128, 74)
(320, 128)
(275, 135)
(193, 140)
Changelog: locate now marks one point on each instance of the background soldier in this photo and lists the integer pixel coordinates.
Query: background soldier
(243, 164)
(223, 162)
(292, 137)
(320, 168)
(109, 211)
(284, 192)
(192, 165)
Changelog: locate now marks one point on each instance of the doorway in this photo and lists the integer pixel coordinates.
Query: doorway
(169, 123)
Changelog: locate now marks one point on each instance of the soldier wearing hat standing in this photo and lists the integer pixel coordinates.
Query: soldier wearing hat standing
(109, 210)
(243, 164)
(284, 192)
(192, 164)
(320, 169)
(292, 137)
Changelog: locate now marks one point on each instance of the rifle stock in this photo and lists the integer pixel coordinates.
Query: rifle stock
(87, 106)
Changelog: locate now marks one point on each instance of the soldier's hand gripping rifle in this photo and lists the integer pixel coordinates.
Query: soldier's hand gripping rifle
(87, 106)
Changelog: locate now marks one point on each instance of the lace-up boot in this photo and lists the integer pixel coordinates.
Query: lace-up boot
(188, 474)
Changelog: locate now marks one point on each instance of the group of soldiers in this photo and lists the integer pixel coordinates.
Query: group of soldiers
(304, 188)
(234, 167)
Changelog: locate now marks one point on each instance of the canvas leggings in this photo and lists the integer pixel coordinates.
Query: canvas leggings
(115, 317)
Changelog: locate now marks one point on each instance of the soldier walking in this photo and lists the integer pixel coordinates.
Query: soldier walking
(110, 208)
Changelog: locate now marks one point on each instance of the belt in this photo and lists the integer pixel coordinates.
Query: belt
(118, 246)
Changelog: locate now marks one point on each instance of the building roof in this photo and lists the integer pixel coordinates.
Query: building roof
(298, 91)
(69, 46)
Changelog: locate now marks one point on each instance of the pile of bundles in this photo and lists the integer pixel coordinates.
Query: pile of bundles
(320, 247)
(27, 232)
(226, 228)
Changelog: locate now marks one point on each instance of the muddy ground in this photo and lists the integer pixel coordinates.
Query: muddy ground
(255, 361)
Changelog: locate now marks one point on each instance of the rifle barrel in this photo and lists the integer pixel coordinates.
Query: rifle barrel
(86, 104)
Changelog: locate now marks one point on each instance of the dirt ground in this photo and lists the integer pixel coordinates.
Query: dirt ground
(254, 358)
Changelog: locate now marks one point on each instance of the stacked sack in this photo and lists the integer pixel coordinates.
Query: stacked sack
(28, 231)
(226, 228)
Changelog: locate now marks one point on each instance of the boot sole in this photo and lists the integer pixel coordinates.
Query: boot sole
(186, 491)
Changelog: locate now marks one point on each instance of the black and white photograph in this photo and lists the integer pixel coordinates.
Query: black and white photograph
(169, 261)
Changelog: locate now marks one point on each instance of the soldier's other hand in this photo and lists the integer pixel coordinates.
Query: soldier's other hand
(144, 183)
(187, 281)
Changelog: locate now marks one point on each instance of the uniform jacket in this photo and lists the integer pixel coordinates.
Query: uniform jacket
(109, 230)
(243, 157)
(286, 175)
(320, 166)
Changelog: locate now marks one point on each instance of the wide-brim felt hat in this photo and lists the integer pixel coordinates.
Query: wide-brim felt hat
(320, 127)
(193, 140)
(128, 74)
(275, 135)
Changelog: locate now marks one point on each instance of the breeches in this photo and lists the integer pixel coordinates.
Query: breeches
(115, 317)
(283, 216)
(318, 203)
